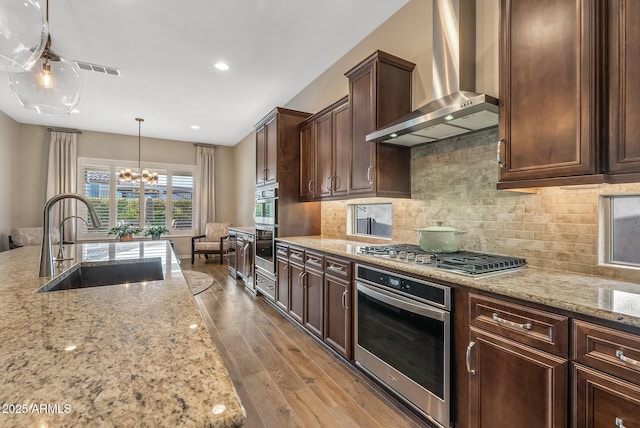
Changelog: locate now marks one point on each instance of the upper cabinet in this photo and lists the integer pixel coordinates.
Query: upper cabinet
(277, 156)
(324, 153)
(379, 93)
(624, 87)
(568, 73)
(548, 91)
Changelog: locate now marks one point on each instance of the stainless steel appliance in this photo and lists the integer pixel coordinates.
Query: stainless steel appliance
(265, 247)
(266, 211)
(245, 259)
(403, 338)
(231, 253)
(462, 262)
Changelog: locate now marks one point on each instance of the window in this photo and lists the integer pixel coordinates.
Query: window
(168, 203)
(370, 219)
(621, 229)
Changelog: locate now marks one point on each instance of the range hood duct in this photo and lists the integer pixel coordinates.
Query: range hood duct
(456, 108)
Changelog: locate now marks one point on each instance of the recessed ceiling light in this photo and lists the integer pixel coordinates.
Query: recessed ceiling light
(448, 117)
(195, 127)
(222, 66)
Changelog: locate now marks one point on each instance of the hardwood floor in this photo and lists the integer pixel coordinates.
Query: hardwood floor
(283, 376)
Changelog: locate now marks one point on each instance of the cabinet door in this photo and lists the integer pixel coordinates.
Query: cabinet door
(282, 284)
(323, 136)
(604, 401)
(341, 149)
(515, 385)
(548, 107)
(363, 112)
(313, 313)
(261, 151)
(240, 258)
(337, 324)
(296, 292)
(307, 162)
(624, 78)
(271, 152)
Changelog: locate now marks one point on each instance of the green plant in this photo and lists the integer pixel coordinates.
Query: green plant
(124, 229)
(156, 230)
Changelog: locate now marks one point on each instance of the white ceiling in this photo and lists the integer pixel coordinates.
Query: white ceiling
(166, 51)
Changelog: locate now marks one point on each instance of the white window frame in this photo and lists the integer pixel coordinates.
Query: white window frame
(606, 230)
(352, 217)
(112, 164)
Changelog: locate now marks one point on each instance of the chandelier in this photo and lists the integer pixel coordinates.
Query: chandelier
(146, 177)
(51, 86)
(23, 35)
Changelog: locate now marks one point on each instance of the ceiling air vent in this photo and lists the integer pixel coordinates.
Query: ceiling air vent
(98, 68)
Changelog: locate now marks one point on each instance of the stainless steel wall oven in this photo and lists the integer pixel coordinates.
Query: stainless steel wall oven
(265, 247)
(403, 338)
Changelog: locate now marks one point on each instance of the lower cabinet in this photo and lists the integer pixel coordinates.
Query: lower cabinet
(265, 284)
(517, 366)
(314, 289)
(338, 306)
(516, 383)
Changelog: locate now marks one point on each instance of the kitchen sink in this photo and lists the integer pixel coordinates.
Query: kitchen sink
(106, 273)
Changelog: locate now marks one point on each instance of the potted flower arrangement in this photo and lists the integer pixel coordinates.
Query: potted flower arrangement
(155, 231)
(124, 231)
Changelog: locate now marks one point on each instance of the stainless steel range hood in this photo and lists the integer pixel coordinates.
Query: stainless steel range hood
(456, 108)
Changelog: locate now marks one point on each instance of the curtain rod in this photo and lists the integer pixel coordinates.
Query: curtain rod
(204, 145)
(72, 131)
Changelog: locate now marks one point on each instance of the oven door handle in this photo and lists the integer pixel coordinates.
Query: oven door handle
(402, 303)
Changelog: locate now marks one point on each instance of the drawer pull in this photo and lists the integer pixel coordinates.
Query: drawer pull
(344, 300)
(619, 423)
(468, 358)
(271, 287)
(526, 326)
(313, 260)
(335, 267)
(621, 357)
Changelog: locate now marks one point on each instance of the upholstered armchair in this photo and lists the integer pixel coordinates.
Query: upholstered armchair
(212, 242)
(28, 236)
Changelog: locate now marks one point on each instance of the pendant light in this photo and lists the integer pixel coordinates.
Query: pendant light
(23, 35)
(146, 177)
(51, 87)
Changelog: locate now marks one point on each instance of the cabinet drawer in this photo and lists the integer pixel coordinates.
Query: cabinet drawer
(314, 260)
(296, 255)
(282, 251)
(540, 329)
(338, 267)
(611, 351)
(265, 285)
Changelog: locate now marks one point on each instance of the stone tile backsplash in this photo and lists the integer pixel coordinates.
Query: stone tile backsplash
(454, 184)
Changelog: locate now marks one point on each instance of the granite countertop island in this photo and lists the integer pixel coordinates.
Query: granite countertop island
(120, 355)
(581, 294)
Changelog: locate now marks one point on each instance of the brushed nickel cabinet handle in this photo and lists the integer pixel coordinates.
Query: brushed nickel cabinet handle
(302, 280)
(619, 423)
(344, 300)
(309, 186)
(620, 355)
(335, 267)
(369, 179)
(468, 358)
(328, 183)
(499, 154)
(526, 326)
(313, 260)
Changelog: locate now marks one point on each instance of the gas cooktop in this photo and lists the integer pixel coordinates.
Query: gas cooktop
(464, 262)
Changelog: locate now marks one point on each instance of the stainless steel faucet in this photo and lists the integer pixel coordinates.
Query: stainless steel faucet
(46, 258)
(60, 258)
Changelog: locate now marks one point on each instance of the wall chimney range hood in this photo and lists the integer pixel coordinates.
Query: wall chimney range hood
(456, 109)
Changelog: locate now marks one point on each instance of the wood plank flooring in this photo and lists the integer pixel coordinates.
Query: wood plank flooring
(283, 376)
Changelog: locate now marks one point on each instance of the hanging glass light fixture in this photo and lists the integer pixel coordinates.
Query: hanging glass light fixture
(23, 34)
(146, 177)
(51, 87)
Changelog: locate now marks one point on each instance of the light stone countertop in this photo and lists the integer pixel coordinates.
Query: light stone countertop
(245, 229)
(582, 294)
(142, 355)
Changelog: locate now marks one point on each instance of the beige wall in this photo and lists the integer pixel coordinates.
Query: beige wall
(245, 173)
(9, 131)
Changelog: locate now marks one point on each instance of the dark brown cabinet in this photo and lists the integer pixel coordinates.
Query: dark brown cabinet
(624, 87)
(549, 105)
(379, 93)
(606, 372)
(282, 277)
(296, 284)
(313, 279)
(517, 365)
(324, 153)
(277, 141)
(338, 305)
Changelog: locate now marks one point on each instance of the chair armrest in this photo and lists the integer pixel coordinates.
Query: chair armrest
(193, 238)
(222, 238)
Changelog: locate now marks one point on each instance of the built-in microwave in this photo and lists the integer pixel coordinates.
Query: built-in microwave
(266, 211)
